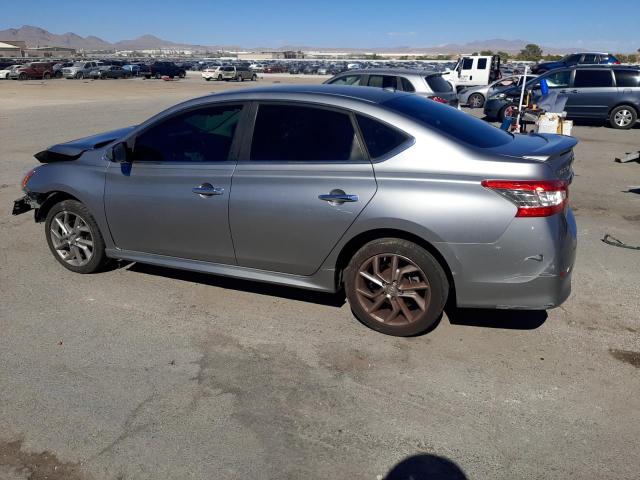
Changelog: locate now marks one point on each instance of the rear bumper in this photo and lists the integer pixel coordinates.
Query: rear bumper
(529, 267)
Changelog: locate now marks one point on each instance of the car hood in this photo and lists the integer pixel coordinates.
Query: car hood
(73, 149)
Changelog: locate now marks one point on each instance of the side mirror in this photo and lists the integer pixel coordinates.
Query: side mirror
(118, 153)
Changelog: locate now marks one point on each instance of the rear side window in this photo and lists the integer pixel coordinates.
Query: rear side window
(449, 121)
(589, 58)
(482, 64)
(347, 80)
(593, 78)
(379, 138)
(627, 78)
(303, 134)
(406, 85)
(382, 81)
(202, 135)
(438, 84)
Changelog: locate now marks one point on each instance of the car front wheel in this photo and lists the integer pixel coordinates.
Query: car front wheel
(396, 287)
(74, 238)
(623, 117)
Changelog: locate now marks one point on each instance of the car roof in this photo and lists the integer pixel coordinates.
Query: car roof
(389, 71)
(602, 66)
(364, 94)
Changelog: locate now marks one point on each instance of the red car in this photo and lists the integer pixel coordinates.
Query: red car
(37, 70)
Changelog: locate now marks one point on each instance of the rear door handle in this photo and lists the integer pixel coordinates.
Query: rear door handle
(207, 190)
(337, 198)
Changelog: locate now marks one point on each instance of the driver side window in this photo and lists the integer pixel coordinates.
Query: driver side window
(559, 79)
(202, 135)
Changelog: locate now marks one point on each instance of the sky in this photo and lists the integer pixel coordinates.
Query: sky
(590, 24)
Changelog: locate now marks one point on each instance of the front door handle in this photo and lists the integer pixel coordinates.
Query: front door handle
(207, 190)
(338, 197)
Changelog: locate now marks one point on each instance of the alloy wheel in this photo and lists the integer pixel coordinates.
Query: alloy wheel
(623, 118)
(71, 238)
(392, 289)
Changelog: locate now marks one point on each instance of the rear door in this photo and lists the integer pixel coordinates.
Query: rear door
(304, 181)
(173, 198)
(592, 94)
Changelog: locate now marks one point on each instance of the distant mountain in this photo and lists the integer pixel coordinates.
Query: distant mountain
(36, 36)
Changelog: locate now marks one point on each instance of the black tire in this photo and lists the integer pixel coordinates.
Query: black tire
(158, 76)
(46, 76)
(58, 74)
(98, 259)
(408, 253)
(240, 78)
(254, 77)
(475, 100)
(182, 74)
(623, 117)
(23, 76)
(220, 77)
(79, 75)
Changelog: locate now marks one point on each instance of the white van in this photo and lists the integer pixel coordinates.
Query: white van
(474, 70)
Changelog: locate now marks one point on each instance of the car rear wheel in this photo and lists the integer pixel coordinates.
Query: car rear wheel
(79, 75)
(182, 74)
(219, 78)
(46, 76)
(158, 76)
(254, 77)
(74, 238)
(58, 74)
(623, 117)
(396, 287)
(476, 100)
(22, 76)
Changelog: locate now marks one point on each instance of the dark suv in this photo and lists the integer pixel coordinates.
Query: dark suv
(585, 58)
(161, 69)
(596, 92)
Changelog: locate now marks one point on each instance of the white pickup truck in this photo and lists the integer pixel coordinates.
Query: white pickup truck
(474, 70)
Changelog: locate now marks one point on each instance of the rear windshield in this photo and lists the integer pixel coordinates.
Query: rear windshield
(438, 84)
(450, 121)
(227, 69)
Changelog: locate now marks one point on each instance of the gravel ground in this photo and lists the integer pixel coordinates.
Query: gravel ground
(148, 373)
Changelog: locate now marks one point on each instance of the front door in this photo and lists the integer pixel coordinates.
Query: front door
(304, 183)
(173, 199)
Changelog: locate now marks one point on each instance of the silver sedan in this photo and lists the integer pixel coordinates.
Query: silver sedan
(474, 97)
(404, 203)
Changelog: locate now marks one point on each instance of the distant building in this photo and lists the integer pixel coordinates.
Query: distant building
(11, 49)
(53, 52)
(272, 55)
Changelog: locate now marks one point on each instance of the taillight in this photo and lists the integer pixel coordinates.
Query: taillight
(27, 177)
(439, 99)
(617, 62)
(534, 198)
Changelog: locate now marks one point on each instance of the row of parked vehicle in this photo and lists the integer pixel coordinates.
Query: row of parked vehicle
(90, 69)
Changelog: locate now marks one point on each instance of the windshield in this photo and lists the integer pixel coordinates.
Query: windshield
(450, 121)
(78, 64)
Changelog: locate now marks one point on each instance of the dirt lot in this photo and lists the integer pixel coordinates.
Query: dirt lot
(148, 373)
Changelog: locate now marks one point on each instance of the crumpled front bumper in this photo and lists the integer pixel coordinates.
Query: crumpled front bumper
(24, 204)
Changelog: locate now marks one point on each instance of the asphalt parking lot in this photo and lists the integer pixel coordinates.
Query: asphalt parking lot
(147, 373)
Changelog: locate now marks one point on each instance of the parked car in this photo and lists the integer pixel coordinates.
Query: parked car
(474, 70)
(426, 84)
(212, 73)
(57, 68)
(132, 68)
(6, 71)
(79, 70)
(401, 201)
(238, 73)
(162, 69)
(597, 92)
(474, 97)
(109, 71)
(32, 70)
(589, 58)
